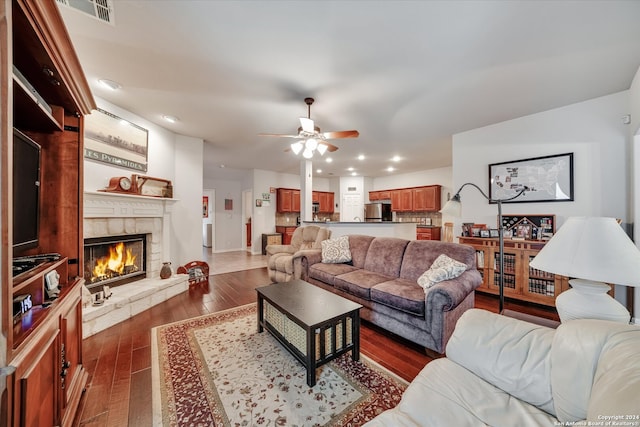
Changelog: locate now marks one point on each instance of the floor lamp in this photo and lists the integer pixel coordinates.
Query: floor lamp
(454, 208)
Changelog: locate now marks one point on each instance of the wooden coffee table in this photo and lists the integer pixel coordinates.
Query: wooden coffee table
(315, 325)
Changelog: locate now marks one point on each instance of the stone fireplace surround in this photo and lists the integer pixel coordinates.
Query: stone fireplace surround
(109, 214)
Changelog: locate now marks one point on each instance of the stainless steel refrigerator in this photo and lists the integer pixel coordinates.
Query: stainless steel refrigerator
(377, 212)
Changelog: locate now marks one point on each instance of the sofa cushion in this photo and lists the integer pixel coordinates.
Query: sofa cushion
(401, 294)
(617, 379)
(359, 245)
(359, 282)
(446, 394)
(578, 346)
(510, 354)
(443, 268)
(385, 256)
(336, 251)
(420, 254)
(327, 272)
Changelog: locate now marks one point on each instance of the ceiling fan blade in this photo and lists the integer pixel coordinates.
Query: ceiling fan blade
(330, 147)
(307, 125)
(279, 135)
(341, 134)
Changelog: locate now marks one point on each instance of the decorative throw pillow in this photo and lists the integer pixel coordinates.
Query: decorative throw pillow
(443, 268)
(336, 251)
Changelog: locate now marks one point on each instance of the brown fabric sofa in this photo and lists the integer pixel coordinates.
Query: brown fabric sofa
(383, 278)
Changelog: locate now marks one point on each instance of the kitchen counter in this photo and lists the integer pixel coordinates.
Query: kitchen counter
(403, 230)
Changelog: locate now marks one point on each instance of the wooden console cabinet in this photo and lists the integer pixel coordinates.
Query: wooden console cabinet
(45, 343)
(521, 282)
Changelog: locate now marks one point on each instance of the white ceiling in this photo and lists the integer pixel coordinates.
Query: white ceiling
(406, 74)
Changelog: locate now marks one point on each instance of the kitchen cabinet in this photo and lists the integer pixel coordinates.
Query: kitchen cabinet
(402, 200)
(521, 282)
(428, 233)
(287, 200)
(415, 199)
(325, 200)
(287, 233)
(44, 343)
(426, 199)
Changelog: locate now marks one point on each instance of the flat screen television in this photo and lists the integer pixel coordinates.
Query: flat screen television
(26, 191)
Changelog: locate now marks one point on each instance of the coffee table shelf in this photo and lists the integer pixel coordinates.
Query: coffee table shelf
(315, 325)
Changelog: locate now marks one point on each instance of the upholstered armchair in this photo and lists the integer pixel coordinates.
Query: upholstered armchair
(280, 257)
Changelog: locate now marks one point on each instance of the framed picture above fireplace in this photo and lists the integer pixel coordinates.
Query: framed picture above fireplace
(116, 141)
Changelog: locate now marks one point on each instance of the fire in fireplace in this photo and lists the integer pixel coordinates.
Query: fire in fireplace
(114, 260)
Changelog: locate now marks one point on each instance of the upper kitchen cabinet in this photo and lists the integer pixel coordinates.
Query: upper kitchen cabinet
(427, 199)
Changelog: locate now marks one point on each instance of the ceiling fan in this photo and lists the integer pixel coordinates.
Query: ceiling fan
(311, 138)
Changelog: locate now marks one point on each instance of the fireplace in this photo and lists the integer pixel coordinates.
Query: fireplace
(114, 260)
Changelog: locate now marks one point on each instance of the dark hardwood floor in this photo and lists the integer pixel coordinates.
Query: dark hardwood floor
(118, 360)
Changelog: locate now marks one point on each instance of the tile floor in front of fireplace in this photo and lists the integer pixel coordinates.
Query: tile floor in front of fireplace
(229, 262)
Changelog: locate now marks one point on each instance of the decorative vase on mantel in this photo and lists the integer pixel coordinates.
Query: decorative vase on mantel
(165, 271)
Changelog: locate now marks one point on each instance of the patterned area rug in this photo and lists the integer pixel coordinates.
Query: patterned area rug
(217, 370)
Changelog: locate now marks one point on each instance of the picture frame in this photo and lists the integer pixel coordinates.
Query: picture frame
(205, 206)
(545, 179)
(484, 233)
(494, 232)
(529, 227)
(116, 141)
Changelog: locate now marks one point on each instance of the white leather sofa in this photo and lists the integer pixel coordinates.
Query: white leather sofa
(500, 371)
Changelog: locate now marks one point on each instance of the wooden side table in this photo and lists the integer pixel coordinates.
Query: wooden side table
(270, 239)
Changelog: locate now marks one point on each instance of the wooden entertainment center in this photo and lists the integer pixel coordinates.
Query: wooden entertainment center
(45, 96)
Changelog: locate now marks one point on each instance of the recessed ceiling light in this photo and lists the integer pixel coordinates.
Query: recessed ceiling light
(350, 169)
(354, 173)
(318, 170)
(222, 166)
(395, 158)
(170, 119)
(329, 160)
(110, 84)
(390, 169)
(361, 157)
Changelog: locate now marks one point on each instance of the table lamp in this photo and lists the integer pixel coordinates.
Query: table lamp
(592, 252)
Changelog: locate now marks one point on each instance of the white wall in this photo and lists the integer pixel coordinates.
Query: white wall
(174, 157)
(186, 244)
(592, 130)
(161, 152)
(634, 132)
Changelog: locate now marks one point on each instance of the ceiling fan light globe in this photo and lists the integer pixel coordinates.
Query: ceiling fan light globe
(307, 154)
(296, 147)
(311, 144)
(322, 148)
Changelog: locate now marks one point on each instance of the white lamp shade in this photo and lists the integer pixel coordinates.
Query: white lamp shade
(307, 154)
(322, 148)
(452, 208)
(296, 147)
(311, 144)
(591, 248)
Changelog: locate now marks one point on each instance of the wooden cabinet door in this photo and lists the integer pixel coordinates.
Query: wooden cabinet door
(323, 199)
(396, 200)
(315, 197)
(295, 201)
(331, 202)
(39, 386)
(374, 195)
(384, 195)
(284, 201)
(426, 199)
(406, 200)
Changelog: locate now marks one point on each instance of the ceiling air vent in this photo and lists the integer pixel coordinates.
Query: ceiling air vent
(99, 9)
